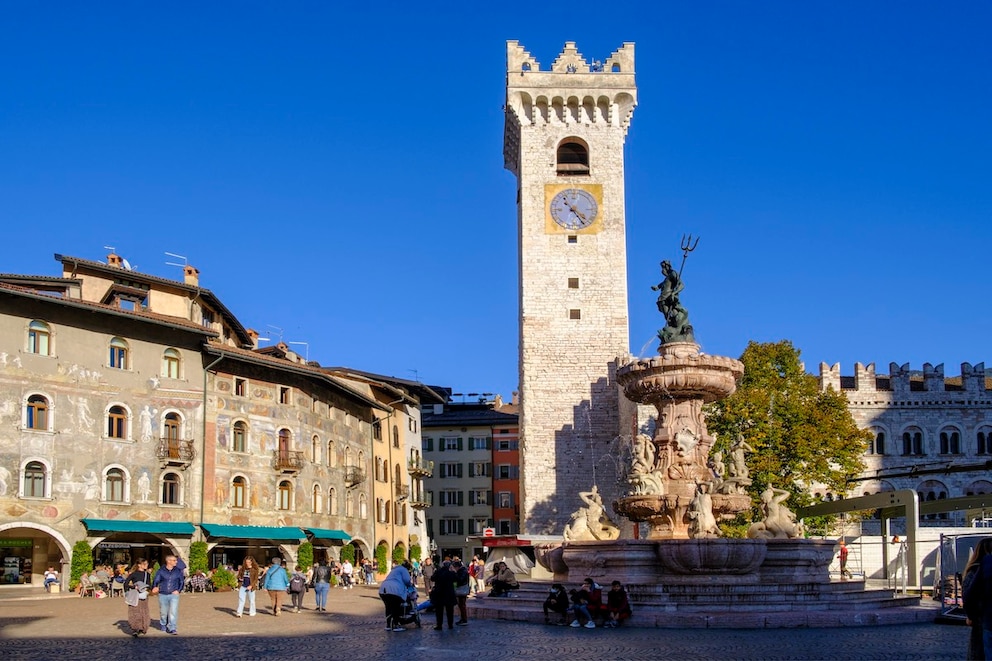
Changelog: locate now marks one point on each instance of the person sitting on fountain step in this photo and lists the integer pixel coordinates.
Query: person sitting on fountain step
(557, 602)
(502, 580)
(583, 603)
(617, 605)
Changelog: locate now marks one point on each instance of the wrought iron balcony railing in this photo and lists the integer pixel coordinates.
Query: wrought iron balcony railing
(175, 451)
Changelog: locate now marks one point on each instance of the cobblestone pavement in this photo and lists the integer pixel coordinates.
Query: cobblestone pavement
(68, 627)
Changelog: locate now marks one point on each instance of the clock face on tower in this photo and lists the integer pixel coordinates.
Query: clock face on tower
(573, 208)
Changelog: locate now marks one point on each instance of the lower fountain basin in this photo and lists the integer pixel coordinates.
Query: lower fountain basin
(711, 557)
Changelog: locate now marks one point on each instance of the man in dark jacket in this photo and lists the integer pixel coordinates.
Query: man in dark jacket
(168, 585)
(443, 595)
(557, 602)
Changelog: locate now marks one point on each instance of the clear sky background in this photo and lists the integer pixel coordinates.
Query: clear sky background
(335, 169)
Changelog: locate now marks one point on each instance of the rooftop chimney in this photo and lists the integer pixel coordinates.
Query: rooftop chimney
(114, 260)
(191, 275)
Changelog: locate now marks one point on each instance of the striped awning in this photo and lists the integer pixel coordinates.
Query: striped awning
(284, 533)
(128, 525)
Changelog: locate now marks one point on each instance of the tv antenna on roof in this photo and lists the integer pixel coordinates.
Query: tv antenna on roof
(277, 329)
(172, 254)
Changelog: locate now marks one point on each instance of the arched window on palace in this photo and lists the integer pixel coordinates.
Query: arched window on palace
(912, 442)
(950, 441)
(35, 480)
(171, 489)
(284, 497)
(119, 354)
(170, 363)
(39, 338)
(239, 492)
(117, 422)
(37, 413)
(239, 441)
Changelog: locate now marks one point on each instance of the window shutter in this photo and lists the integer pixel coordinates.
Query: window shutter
(459, 471)
(489, 495)
(461, 498)
(514, 472)
(489, 468)
(428, 444)
(471, 470)
(440, 444)
(471, 498)
(459, 443)
(489, 443)
(461, 527)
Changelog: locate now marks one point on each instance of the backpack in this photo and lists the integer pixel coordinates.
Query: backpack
(297, 583)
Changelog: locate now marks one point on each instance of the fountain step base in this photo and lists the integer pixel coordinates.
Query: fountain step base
(825, 605)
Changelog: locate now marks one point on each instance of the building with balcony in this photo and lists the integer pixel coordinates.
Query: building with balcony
(398, 506)
(459, 440)
(138, 414)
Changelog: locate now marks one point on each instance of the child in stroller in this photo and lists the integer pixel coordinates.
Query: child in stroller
(411, 614)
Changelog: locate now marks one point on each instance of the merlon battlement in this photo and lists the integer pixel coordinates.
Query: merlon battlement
(901, 379)
(570, 60)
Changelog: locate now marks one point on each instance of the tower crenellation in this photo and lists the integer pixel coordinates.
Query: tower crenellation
(864, 377)
(902, 380)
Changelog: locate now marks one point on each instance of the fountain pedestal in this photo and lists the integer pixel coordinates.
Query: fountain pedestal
(677, 382)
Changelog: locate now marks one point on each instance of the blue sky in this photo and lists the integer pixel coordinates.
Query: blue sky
(335, 170)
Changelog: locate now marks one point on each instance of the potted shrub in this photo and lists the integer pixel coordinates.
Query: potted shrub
(224, 580)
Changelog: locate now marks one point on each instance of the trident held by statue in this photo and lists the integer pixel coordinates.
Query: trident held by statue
(687, 247)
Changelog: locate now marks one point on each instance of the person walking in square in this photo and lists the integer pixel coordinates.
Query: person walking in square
(136, 587)
(168, 585)
(321, 585)
(247, 586)
(276, 582)
(842, 554)
(297, 588)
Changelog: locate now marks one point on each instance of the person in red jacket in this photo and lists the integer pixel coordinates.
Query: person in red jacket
(617, 605)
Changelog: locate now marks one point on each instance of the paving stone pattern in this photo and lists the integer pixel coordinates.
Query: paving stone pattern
(68, 627)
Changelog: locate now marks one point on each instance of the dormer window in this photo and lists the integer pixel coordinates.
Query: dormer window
(573, 157)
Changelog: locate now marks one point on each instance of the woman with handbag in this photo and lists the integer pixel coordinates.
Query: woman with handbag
(136, 597)
(462, 588)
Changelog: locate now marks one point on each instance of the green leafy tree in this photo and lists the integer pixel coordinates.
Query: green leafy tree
(799, 435)
(381, 555)
(304, 555)
(348, 553)
(415, 552)
(198, 557)
(82, 561)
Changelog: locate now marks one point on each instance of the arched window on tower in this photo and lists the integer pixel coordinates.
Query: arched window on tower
(573, 157)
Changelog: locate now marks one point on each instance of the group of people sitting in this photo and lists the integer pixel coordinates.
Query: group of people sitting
(587, 605)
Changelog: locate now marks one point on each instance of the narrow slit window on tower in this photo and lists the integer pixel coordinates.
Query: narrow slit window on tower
(573, 238)
(573, 283)
(575, 314)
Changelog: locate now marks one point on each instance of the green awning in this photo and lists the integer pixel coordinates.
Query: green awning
(127, 525)
(253, 532)
(328, 533)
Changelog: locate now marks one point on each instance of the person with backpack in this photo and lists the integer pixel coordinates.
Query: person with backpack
(276, 583)
(321, 584)
(297, 588)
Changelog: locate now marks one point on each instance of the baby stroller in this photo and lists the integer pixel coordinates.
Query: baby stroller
(411, 615)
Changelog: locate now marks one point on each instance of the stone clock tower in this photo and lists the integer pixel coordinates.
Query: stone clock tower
(564, 137)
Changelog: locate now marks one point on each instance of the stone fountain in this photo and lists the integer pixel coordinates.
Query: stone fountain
(683, 573)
